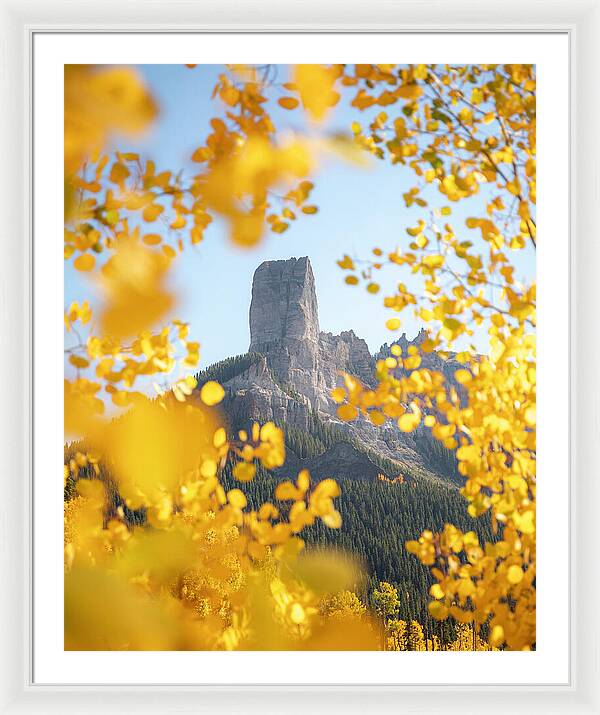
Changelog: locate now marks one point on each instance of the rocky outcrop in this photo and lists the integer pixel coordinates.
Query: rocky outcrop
(345, 352)
(256, 395)
(284, 304)
(284, 325)
(298, 366)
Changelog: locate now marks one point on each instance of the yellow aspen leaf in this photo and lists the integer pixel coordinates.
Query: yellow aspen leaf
(309, 209)
(497, 636)
(393, 324)
(190, 382)
(220, 437)
(208, 468)
(244, 472)
(386, 98)
(327, 488)
(237, 498)
(466, 588)
(347, 413)
(412, 362)
(99, 101)
(288, 102)
(85, 262)
(152, 212)
(196, 235)
(112, 217)
(416, 230)
(497, 351)
(433, 261)
(373, 288)
(151, 239)
(211, 393)
(463, 376)
(78, 362)
(514, 575)
(118, 173)
(315, 85)
(332, 519)
(297, 613)
(452, 325)
(268, 511)
(363, 100)
(438, 610)
(436, 591)
(247, 229)
(377, 418)
(409, 91)
(286, 491)
(338, 395)
(525, 523)
(303, 480)
(530, 416)
(133, 283)
(346, 263)
(408, 422)
(279, 226)
(230, 95)
(201, 155)
(178, 222)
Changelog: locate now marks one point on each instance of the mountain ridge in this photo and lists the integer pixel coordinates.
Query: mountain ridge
(292, 366)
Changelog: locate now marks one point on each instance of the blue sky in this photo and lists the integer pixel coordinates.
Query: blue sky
(358, 209)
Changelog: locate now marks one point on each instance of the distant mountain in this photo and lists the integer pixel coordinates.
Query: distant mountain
(289, 372)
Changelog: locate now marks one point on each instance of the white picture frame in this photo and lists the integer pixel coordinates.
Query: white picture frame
(19, 21)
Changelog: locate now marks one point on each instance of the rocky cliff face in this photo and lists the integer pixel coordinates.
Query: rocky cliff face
(284, 326)
(297, 366)
(284, 305)
(257, 395)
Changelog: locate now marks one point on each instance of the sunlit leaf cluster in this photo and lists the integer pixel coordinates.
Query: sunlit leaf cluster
(463, 131)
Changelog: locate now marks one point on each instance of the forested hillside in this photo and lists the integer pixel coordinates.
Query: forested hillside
(377, 519)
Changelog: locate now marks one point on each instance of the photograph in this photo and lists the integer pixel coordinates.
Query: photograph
(300, 357)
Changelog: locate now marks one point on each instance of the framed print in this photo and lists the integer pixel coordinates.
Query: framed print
(306, 387)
